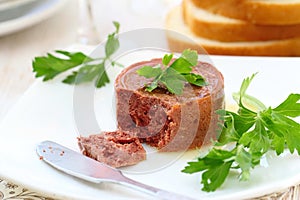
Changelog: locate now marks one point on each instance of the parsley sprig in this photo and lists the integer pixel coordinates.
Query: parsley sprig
(173, 77)
(90, 69)
(251, 133)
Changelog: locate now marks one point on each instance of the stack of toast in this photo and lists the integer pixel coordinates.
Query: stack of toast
(236, 27)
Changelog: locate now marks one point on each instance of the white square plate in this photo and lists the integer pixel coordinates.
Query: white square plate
(45, 112)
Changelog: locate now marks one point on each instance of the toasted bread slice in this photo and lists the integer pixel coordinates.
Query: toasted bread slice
(218, 27)
(272, 12)
(187, 39)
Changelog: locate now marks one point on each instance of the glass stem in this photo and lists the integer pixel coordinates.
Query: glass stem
(86, 32)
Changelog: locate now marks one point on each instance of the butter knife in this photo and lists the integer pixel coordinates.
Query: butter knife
(83, 167)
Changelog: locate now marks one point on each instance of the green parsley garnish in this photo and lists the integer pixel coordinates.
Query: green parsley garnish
(90, 69)
(250, 133)
(173, 77)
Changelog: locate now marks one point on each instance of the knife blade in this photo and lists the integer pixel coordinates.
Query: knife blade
(83, 167)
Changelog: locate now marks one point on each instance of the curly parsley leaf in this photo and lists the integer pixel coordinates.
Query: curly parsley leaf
(228, 134)
(244, 160)
(256, 140)
(194, 79)
(50, 66)
(112, 44)
(215, 166)
(290, 107)
(167, 59)
(175, 76)
(250, 134)
(190, 56)
(173, 81)
(90, 69)
(150, 72)
(284, 128)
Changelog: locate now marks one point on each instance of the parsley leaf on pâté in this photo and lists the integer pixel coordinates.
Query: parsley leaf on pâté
(251, 133)
(173, 76)
(90, 69)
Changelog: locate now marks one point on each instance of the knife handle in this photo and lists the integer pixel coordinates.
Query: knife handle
(156, 192)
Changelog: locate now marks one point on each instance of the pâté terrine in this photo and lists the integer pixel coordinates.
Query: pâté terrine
(166, 121)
